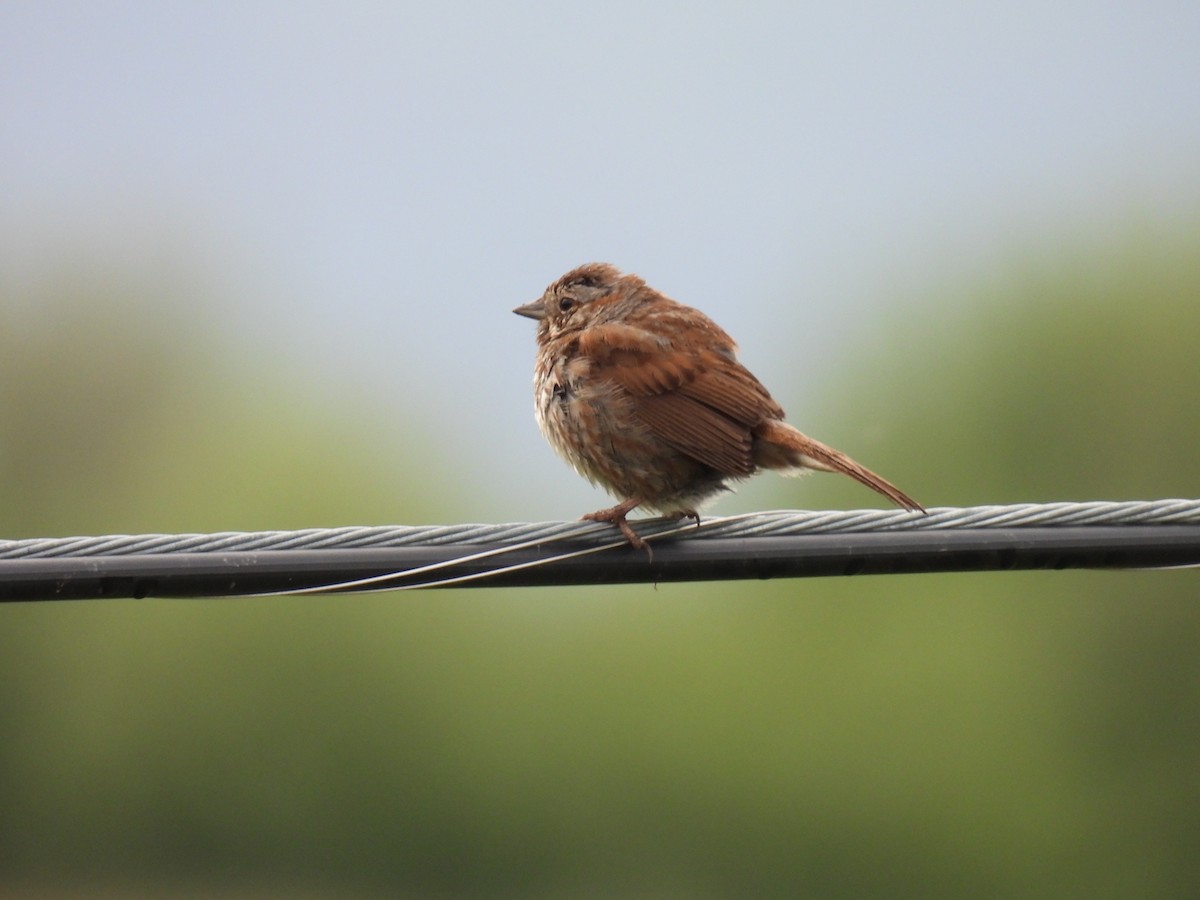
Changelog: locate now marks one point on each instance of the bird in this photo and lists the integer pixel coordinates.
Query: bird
(645, 397)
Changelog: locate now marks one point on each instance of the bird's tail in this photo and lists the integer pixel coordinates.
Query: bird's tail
(778, 445)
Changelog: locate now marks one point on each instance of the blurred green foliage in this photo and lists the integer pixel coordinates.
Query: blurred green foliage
(1006, 734)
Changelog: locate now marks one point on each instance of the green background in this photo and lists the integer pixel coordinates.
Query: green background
(1002, 734)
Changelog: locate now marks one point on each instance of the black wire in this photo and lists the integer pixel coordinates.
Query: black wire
(225, 574)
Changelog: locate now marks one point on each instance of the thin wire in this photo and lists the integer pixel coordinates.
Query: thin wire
(379, 583)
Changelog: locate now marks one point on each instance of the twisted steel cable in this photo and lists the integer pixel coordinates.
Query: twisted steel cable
(789, 543)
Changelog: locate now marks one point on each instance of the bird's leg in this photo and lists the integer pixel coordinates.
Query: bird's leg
(615, 515)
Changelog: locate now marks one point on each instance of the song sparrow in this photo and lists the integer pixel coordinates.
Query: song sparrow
(645, 397)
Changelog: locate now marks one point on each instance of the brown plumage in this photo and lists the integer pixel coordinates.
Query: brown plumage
(645, 397)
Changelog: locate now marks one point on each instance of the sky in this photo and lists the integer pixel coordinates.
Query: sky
(361, 192)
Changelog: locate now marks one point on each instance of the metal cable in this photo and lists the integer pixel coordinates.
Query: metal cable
(777, 523)
(755, 545)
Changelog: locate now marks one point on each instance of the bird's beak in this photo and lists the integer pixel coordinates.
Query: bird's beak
(532, 310)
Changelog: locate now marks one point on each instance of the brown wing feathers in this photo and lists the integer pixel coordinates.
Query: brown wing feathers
(706, 404)
(699, 431)
(696, 401)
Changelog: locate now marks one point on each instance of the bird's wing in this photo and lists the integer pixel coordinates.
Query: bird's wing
(699, 399)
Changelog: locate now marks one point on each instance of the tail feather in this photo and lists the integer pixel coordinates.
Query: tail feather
(780, 446)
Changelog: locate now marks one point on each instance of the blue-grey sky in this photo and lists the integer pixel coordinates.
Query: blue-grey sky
(367, 189)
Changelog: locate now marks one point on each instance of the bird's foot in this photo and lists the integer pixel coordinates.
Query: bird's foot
(615, 515)
(687, 514)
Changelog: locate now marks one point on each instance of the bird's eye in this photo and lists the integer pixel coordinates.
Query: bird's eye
(565, 304)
